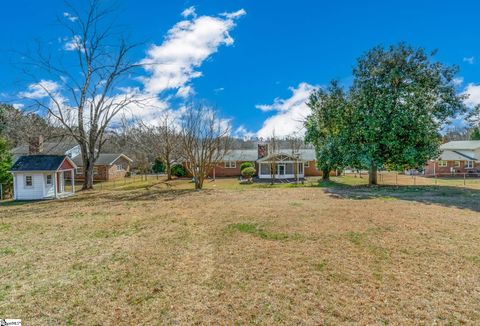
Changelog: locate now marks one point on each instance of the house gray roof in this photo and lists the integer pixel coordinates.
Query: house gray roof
(103, 159)
(462, 144)
(51, 148)
(38, 163)
(459, 155)
(251, 155)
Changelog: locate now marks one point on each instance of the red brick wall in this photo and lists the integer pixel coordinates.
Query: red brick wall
(429, 169)
(114, 173)
(311, 170)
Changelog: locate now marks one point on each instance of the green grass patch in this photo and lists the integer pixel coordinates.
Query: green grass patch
(474, 259)
(105, 234)
(6, 251)
(320, 266)
(5, 226)
(258, 231)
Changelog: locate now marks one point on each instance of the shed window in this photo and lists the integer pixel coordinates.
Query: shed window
(49, 179)
(468, 164)
(442, 164)
(230, 164)
(28, 181)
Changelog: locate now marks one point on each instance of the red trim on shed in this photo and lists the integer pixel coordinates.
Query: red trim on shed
(66, 165)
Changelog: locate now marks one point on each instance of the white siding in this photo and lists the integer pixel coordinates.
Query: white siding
(49, 189)
(29, 193)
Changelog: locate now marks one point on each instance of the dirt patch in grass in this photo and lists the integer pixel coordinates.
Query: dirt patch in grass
(303, 255)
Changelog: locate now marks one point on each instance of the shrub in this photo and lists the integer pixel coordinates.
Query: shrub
(248, 172)
(178, 170)
(245, 165)
(158, 166)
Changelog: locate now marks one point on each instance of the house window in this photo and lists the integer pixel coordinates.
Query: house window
(442, 164)
(457, 164)
(230, 164)
(95, 170)
(79, 170)
(28, 181)
(300, 168)
(307, 164)
(49, 179)
(120, 167)
(468, 164)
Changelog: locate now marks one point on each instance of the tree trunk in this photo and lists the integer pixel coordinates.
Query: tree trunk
(198, 183)
(325, 174)
(169, 170)
(87, 174)
(372, 176)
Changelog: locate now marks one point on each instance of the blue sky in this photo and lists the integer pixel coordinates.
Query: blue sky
(266, 56)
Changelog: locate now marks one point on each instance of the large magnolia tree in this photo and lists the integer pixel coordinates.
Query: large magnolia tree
(401, 98)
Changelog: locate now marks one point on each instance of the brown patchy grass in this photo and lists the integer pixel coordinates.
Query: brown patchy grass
(165, 254)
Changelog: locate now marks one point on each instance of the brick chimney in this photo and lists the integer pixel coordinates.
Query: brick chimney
(262, 150)
(35, 145)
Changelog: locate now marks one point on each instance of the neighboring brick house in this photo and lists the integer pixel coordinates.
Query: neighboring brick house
(456, 157)
(107, 167)
(284, 161)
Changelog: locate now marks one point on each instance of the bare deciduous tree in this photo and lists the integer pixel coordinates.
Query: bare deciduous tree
(86, 96)
(160, 140)
(204, 141)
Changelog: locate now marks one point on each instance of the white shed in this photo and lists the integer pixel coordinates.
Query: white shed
(43, 177)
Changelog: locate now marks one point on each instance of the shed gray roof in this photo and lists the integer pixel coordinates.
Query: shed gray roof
(103, 159)
(38, 163)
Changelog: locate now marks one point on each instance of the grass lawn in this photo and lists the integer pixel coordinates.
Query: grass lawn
(160, 253)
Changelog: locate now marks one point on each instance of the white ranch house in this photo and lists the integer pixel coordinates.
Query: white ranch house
(38, 177)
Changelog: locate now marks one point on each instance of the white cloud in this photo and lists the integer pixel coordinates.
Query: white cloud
(458, 81)
(185, 91)
(188, 44)
(73, 44)
(40, 90)
(234, 15)
(290, 113)
(18, 106)
(190, 11)
(473, 92)
(244, 133)
(469, 60)
(218, 90)
(70, 17)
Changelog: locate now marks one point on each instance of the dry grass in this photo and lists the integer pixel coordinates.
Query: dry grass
(164, 254)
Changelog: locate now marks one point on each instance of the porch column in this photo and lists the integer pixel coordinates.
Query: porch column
(55, 184)
(73, 181)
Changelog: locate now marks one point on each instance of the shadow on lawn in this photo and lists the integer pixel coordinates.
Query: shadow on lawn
(150, 194)
(464, 198)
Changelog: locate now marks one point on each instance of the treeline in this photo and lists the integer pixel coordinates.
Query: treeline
(390, 117)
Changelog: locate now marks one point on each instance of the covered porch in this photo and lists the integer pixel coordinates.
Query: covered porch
(280, 166)
(64, 183)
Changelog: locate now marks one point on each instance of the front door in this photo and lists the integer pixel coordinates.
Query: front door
(281, 169)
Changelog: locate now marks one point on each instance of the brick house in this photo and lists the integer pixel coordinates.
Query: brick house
(107, 167)
(284, 162)
(456, 157)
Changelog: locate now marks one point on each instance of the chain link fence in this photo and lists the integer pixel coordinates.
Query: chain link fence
(455, 179)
